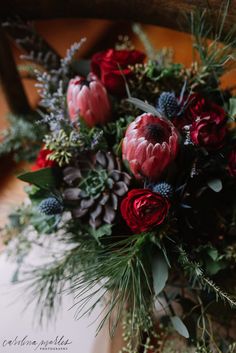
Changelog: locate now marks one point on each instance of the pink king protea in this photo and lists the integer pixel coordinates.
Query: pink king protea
(89, 100)
(149, 146)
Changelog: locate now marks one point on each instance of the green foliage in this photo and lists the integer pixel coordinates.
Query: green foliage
(64, 144)
(23, 138)
(211, 260)
(232, 108)
(46, 283)
(214, 57)
(123, 269)
(160, 272)
(44, 178)
(197, 277)
(115, 131)
(100, 232)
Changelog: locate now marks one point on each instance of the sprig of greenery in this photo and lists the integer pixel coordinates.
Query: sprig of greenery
(23, 138)
(125, 275)
(197, 277)
(66, 144)
(216, 51)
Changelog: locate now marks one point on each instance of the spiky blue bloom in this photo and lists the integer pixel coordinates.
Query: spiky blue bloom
(168, 104)
(50, 206)
(164, 189)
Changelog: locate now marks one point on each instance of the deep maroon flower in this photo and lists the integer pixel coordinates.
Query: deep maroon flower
(42, 160)
(143, 209)
(208, 131)
(206, 120)
(88, 99)
(232, 163)
(111, 65)
(149, 146)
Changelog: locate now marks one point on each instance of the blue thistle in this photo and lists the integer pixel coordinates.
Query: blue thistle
(50, 206)
(168, 104)
(164, 189)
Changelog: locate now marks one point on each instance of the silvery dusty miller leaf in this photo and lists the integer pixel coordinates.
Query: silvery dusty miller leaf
(160, 272)
(179, 326)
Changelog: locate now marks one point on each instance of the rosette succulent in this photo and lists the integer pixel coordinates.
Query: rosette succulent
(94, 186)
(150, 145)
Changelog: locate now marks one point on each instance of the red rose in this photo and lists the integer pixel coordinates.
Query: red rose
(207, 121)
(42, 160)
(110, 65)
(232, 163)
(143, 209)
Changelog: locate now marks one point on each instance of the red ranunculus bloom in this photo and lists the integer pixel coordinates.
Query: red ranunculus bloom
(42, 160)
(143, 209)
(110, 65)
(149, 146)
(232, 163)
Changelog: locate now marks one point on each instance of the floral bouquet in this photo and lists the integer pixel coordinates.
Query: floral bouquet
(137, 179)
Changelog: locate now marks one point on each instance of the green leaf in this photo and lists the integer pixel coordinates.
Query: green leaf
(215, 185)
(179, 326)
(43, 178)
(232, 107)
(106, 229)
(160, 272)
(214, 266)
(213, 253)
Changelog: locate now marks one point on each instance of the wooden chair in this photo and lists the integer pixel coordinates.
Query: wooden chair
(167, 13)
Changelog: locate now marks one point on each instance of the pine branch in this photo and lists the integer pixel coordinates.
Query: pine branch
(197, 277)
(215, 57)
(124, 276)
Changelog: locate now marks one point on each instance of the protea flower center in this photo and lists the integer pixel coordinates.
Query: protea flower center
(156, 133)
(149, 146)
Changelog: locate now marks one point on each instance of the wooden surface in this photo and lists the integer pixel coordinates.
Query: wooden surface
(10, 78)
(159, 12)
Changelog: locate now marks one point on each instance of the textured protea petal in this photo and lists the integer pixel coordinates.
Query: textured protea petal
(89, 100)
(150, 145)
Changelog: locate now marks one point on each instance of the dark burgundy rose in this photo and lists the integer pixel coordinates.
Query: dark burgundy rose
(143, 209)
(209, 130)
(232, 163)
(110, 65)
(207, 122)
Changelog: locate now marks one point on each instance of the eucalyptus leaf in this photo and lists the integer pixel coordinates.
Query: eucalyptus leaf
(43, 178)
(147, 108)
(160, 272)
(179, 326)
(215, 185)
